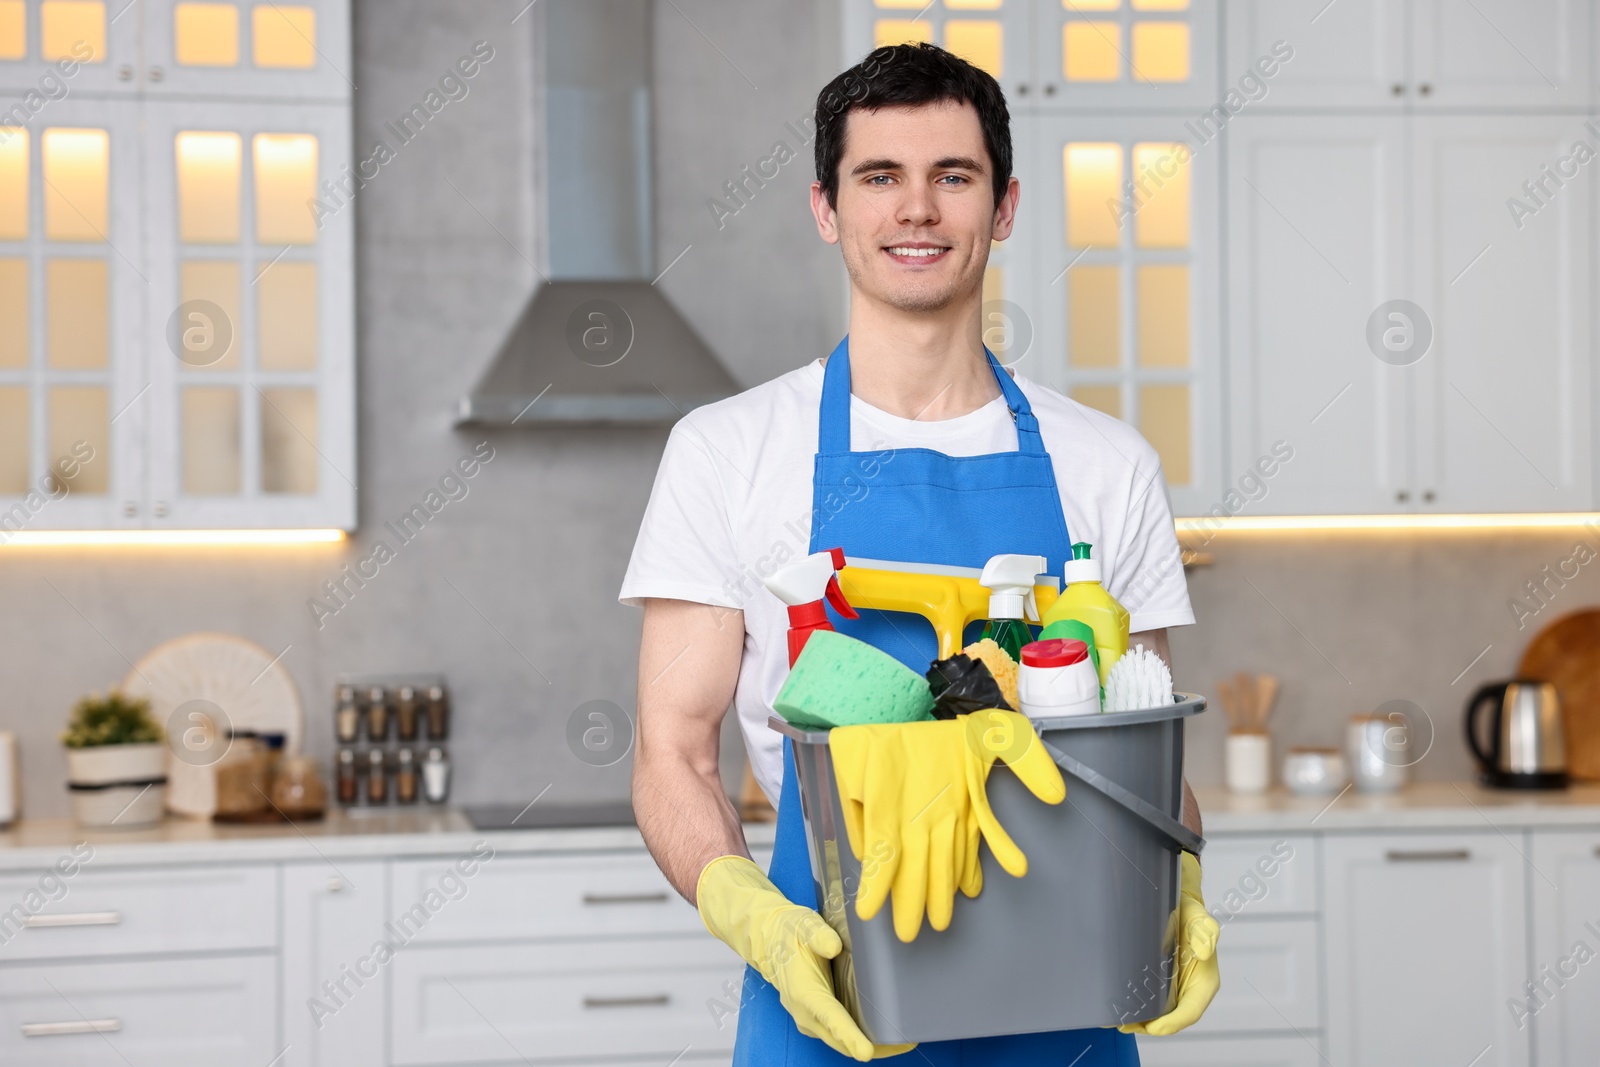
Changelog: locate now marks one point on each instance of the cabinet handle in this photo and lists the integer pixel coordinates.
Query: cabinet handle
(659, 1000)
(1597, 852)
(1428, 496)
(1402, 496)
(75, 918)
(336, 885)
(1397, 89)
(1437, 855)
(1022, 90)
(125, 73)
(625, 898)
(75, 1026)
(1049, 89)
(1424, 89)
(156, 74)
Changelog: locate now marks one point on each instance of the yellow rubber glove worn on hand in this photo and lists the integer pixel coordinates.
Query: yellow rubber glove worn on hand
(789, 945)
(1197, 979)
(914, 799)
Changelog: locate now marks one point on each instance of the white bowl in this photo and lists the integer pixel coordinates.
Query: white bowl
(1314, 771)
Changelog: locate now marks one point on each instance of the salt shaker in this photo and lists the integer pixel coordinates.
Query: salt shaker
(435, 776)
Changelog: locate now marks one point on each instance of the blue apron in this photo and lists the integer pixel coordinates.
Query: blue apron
(915, 505)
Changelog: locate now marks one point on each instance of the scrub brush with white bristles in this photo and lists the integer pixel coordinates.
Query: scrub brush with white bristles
(1137, 681)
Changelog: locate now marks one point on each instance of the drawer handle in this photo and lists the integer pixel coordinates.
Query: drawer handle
(625, 898)
(76, 918)
(76, 1026)
(659, 1000)
(1452, 855)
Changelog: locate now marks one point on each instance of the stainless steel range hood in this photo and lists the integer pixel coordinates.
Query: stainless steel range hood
(598, 342)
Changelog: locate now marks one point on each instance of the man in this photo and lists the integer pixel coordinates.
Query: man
(911, 443)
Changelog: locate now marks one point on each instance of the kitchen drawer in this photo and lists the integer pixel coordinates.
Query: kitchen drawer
(1270, 874)
(510, 897)
(1180, 1050)
(564, 1001)
(203, 1012)
(1270, 979)
(128, 911)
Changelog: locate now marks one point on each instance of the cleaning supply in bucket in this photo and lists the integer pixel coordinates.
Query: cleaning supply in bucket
(1086, 600)
(1009, 579)
(803, 586)
(1076, 630)
(1057, 678)
(1139, 680)
(1001, 665)
(838, 680)
(961, 685)
(913, 797)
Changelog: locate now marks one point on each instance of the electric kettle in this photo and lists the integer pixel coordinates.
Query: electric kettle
(1526, 735)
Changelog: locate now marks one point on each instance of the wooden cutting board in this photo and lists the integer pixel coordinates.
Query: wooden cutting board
(1567, 653)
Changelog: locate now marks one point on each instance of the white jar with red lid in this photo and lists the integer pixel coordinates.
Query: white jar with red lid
(1056, 677)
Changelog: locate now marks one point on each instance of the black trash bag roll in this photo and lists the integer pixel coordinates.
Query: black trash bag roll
(961, 685)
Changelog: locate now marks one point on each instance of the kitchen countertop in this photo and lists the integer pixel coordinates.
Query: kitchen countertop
(36, 843)
(1418, 806)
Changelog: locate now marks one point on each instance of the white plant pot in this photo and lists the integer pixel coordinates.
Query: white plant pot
(118, 785)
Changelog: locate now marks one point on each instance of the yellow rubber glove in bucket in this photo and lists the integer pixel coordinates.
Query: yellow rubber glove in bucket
(915, 800)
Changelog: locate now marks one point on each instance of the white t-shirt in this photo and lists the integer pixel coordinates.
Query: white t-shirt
(732, 503)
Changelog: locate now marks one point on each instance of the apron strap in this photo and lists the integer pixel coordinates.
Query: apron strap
(833, 430)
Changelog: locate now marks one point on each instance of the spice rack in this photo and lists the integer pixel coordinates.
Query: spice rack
(391, 732)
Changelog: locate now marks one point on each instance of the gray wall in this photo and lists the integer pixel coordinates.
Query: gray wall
(511, 591)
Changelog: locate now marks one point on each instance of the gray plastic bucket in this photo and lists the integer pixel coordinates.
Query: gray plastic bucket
(1084, 939)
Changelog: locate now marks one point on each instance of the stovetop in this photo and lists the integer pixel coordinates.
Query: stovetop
(539, 816)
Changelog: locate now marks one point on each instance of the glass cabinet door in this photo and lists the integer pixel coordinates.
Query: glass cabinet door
(71, 293)
(212, 48)
(1127, 262)
(991, 34)
(249, 322)
(50, 49)
(1098, 54)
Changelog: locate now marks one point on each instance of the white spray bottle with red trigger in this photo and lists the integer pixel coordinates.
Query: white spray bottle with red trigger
(804, 586)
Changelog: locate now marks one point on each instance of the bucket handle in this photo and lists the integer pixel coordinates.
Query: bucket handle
(1163, 823)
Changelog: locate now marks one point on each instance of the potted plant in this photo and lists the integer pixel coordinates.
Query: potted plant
(116, 761)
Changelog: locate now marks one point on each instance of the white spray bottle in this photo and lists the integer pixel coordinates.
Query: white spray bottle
(1009, 579)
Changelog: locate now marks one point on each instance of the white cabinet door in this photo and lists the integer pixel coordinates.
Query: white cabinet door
(1316, 245)
(1270, 979)
(72, 287)
(1180, 1051)
(250, 316)
(1425, 936)
(43, 43)
(1564, 1008)
(296, 51)
(1126, 216)
(1345, 53)
(1249, 877)
(206, 1011)
(332, 919)
(1504, 414)
(1501, 53)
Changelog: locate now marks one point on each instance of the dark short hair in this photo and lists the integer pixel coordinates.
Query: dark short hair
(910, 75)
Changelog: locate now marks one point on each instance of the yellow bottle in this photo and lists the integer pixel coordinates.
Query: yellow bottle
(1087, 601)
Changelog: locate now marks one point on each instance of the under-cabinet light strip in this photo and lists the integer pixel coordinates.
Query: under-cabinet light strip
(1533, 521)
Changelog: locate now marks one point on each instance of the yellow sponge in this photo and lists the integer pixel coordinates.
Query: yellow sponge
(1000, 664)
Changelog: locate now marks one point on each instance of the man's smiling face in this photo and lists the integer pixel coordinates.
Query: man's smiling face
(915, 210)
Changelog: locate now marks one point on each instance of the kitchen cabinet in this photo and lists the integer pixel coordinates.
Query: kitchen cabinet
(1420, 55)
(99, 49)
(333, 917)
(1123, 317)
(196, 1012)
(1563, 1011)
(1316, 245)
(1504, 404)
(1061, 57)
(176, 317)
(1426, 938)
(1176, 1051)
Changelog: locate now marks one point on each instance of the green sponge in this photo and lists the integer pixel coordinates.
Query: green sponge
(840, 681)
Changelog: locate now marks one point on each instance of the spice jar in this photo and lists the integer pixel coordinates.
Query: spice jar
(377, 779)
(297, 789)
(405, 712)
(436, 776)
(377, 714)
(438, 713)
(405, 776)
(346, 775)
(347, 716)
